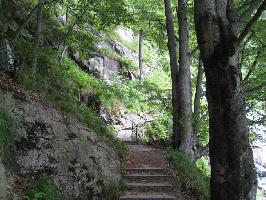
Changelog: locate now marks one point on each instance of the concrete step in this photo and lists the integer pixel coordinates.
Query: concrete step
(147, 196)
(154, 186)
(146, 177)
(142, 170)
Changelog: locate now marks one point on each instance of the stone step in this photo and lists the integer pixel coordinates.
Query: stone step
(134, 142)
(142, 170)
(154, 186)
(147, 196)
(146, 177)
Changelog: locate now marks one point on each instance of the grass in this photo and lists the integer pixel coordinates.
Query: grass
(190, 176)
(7, 128)
(42, 189)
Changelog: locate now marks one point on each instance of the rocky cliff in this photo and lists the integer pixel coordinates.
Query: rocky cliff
(52, 143)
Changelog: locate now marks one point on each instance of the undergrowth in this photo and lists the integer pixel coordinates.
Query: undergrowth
(7, 128)
(190, 176)
(42, 189)
(203, 165)
(111, 190)
(160, 129)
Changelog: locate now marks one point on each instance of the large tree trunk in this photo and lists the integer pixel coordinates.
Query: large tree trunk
(184, 87)
(141, 75)
(174, 70)
(37, 37)
(232, 169)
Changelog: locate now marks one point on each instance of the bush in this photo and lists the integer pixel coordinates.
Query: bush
(7, 128)
(190, 176)
(42, 189)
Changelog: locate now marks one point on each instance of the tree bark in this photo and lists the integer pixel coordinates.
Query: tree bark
(232, 168)
(37, 37)
(184, 87)
(174, 70)
(141, 75)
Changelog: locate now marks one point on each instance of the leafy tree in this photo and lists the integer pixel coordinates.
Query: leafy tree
(220, 34)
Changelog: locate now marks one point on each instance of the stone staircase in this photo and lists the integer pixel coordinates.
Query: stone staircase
(147, 175)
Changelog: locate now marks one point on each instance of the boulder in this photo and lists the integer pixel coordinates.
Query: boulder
(51, 143)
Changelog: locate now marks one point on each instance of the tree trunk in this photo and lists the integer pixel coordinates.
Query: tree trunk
(184, 88)
(141, 75)
(64, 47)
(199, 152)
(174, 70)
(37, 37)
(232, 168)
(197, 99)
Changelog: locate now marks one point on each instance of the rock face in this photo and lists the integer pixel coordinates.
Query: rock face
(59, 146)
(7, 59)
(104, 66)
(126, 34)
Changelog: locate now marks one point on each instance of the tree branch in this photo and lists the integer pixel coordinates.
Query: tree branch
(257, 77)
(192, 53)
(249, 25)
(258, 39)
(253, 5)
(158, 21)
(25, 23)
(252, 67)
(255, 89)
(28, 18)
